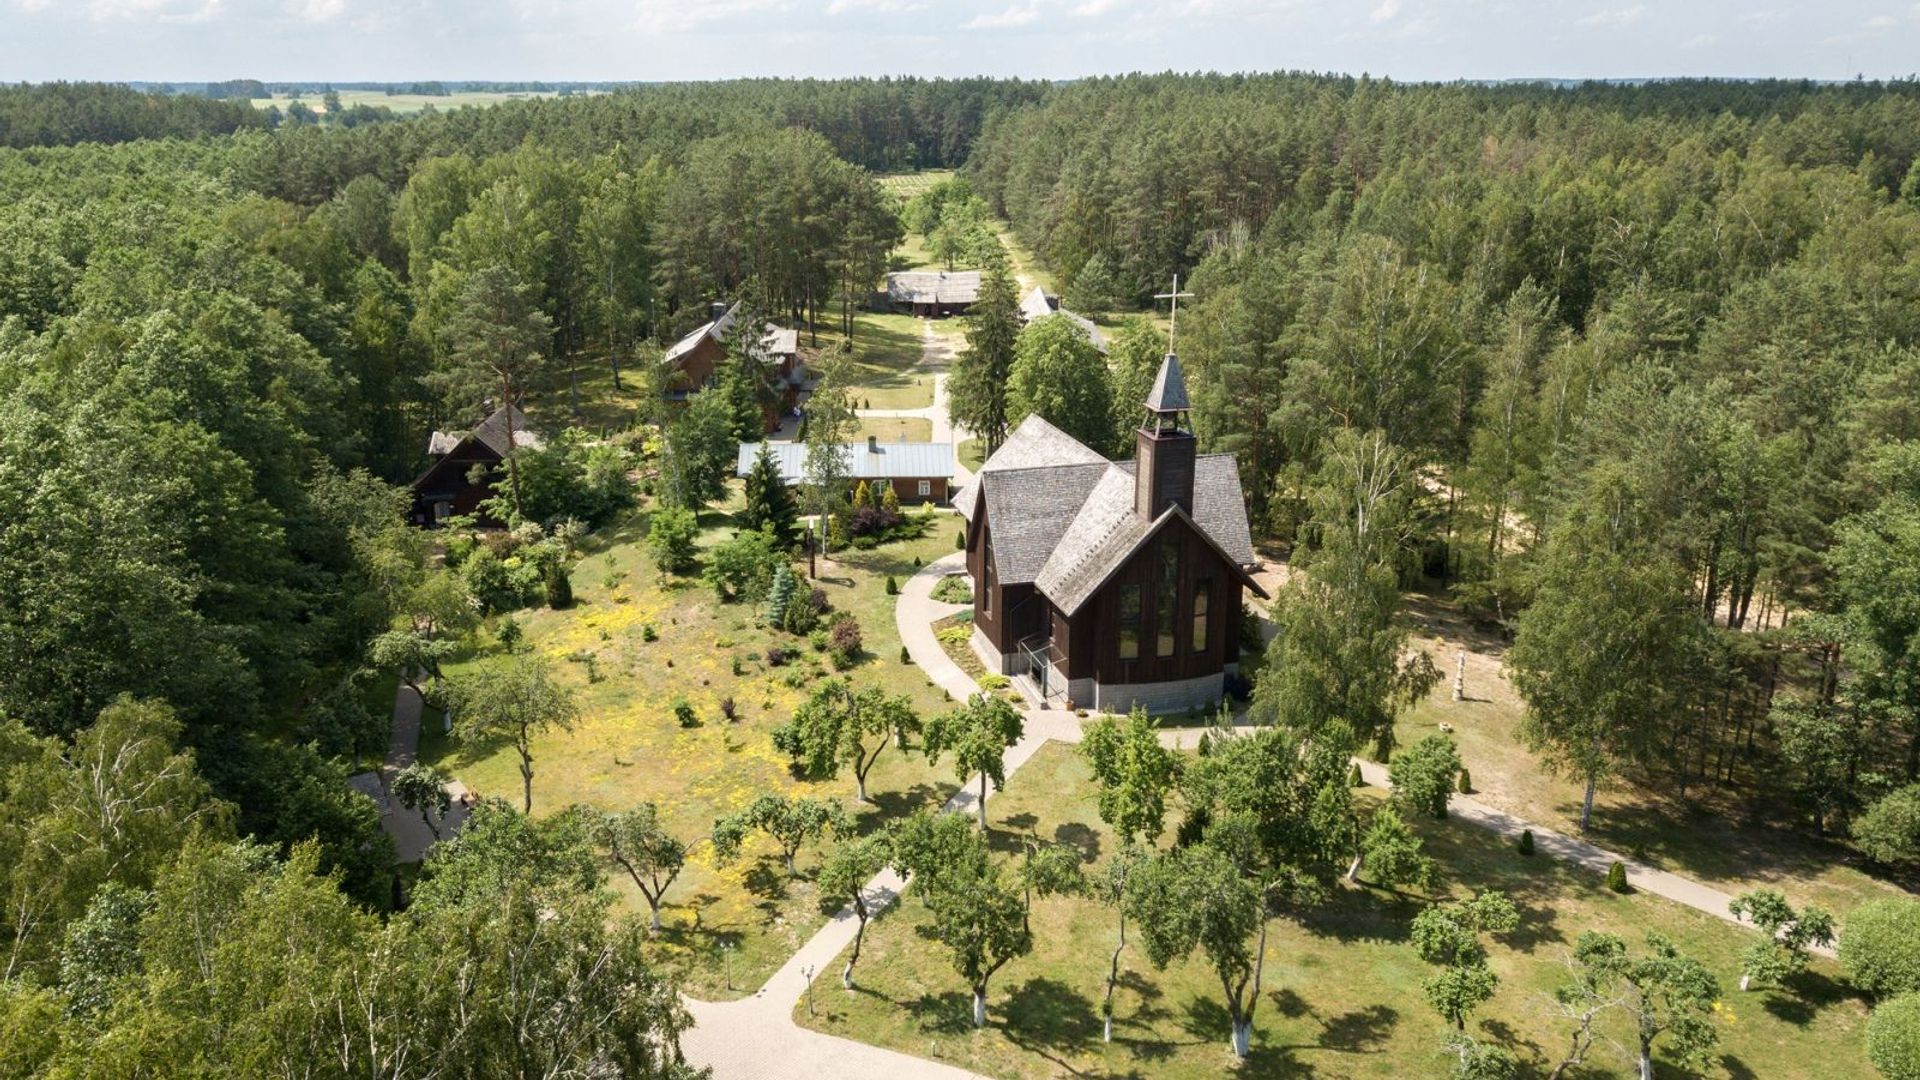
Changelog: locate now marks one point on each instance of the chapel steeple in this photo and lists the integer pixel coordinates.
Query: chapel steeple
(1164, 446)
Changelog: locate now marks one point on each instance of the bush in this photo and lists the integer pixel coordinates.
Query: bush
(683, 712)
(742, 567)
(670, 540)
(905, 656)
(893, 587)
(559, 587)
(1880, 947)
(992, 682)
(844, 640)
(1889, 832)
(1893, 1038)
(730, 708)
(776, 656)
(648, 633)
(1617, 877)
(799, 616)
(1424, 773)
(1466, 782)
(960, 540)
(953, 589)
(817, 600)
(1354, 779)
(1526, 841)
(818, 640)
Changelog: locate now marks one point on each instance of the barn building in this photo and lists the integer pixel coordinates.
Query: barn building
(1038, 304)
(450, 486)
(933, 293)
(918, 472)
(1109, 584)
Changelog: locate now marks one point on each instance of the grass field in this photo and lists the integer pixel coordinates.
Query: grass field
(628, 746)
(907, 185)
(1341, 994)
(406, 103)
(884, 372)
(1709, 837)
(894, 429)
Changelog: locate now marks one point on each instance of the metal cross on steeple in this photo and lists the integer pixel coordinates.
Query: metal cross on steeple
(1173, 313)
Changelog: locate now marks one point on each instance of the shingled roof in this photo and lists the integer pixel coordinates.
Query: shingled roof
(1034, 444)
(1063, 516)
(933, 286)
(491, 432)
(778, 341)
(1037, 305)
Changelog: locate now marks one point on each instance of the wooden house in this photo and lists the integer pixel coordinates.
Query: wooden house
(464, 466)
(933, 293)
(695, 361)
(1110, 584)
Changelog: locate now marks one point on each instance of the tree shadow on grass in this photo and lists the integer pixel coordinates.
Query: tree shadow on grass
(1208, 1022)
(1805, 996)
(766, 878)
(1081, 836)
(1359, 1031)
(946, 1013)
(898, 804)
(1047, 1017)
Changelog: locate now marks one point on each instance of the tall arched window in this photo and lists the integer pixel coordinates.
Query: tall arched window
(1168, 598)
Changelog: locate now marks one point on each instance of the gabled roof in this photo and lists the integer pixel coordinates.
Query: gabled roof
(1063, 517)
(1031, 511)
(1037, 305)
(1034, 444)
(875, 461)
(1169, 387)
(933, 286)
(778, 340)
(491, 432)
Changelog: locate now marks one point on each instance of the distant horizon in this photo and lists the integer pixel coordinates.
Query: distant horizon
(513, 80)
(1412, 41)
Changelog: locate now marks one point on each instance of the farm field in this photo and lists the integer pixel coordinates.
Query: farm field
(410, 103)
(1341, 990)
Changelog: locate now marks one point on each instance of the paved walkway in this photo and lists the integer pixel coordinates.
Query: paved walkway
(411, 837)
(757, 1039)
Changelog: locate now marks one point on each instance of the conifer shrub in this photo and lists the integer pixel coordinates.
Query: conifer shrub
(1466, 781)
(1617, 877)
(1526, 841)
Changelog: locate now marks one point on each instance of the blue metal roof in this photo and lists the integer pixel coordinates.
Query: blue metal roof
(865, 461)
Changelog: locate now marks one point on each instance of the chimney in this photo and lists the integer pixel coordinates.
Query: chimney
(715, 310)
(1164, 447)
(873, 444)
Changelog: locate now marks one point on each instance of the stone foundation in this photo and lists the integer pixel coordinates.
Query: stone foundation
(1163, 697)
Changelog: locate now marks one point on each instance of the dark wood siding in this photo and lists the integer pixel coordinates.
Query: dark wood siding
(1099, 645)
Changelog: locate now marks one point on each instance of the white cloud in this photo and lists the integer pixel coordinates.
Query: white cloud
(317, 11)
(1017, 15)
(1699, 41)
(1615, 17)
(1387, 10)
(877, 7)
(1091, 8)
(1881, 22)
(170, 11)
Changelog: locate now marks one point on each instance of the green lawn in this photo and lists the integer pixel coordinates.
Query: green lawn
(603, 408)
(628, 746)
(884, 372)
(1341, 993)
(973, 454)
(894, 429)
(1710, 837)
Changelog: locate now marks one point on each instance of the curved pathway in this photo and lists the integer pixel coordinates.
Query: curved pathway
(757, 1039)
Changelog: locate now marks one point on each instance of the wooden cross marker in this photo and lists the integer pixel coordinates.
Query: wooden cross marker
(1173, 312)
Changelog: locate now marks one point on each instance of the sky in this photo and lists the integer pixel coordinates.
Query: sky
(641, 40)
